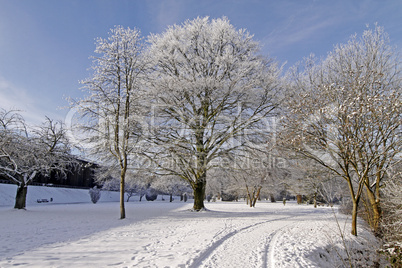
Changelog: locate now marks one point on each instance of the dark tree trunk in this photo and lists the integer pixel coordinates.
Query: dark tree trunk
(250, 200)
(199, 194)
(21, 197)
(354, 218)
(171, 197)
(200, 182)
(249, 197)
(256, 196)
(315, 200)
(122, 191)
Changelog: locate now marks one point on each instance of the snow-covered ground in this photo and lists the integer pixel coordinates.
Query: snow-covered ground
(164, 234)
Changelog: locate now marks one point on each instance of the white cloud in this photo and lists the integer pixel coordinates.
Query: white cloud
(165, 13)
(301, 26)
(31, 108)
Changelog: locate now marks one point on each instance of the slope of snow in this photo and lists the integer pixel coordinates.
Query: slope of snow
(163, 234)
(59, 195)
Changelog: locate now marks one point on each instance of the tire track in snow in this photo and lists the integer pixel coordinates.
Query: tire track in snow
(291, 250)
(268, 248)
(269, 260)
(267, 251)
(209, 252)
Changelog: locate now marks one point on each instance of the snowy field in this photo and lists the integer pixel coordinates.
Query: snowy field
(164, 234)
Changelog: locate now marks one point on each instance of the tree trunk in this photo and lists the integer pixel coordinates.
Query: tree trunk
(21, 197)
(354, 218)
(375, 206)
(257, 196)
(315, 200)
(355, 201)
(122, 184)
(171, 197)
(249, 198)
(299, 199)
(129, 195)
(199, 194)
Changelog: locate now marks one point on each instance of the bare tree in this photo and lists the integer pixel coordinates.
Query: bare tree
(137, 180)
(24, 155)
(259, 172)
(345, 114)
(217, 182)
(331, 189)
(112, 104)
(313, 180)
(210, 84)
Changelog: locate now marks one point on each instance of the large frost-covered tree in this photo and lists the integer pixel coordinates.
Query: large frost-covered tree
(209, 85)
(23, 154)
(345, 113)
(112, 104)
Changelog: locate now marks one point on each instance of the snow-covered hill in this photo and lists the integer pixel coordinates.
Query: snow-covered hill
(56, 194)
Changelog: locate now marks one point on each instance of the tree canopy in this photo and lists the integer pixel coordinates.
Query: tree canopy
(209, 84)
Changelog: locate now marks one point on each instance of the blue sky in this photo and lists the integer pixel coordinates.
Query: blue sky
(45, 44)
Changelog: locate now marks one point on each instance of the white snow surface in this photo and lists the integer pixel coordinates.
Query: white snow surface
(72, 232)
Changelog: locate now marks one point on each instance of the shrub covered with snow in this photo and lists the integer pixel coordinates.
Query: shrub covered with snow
(391, 224)
(393, 253)
(95, 194)
(151, 195)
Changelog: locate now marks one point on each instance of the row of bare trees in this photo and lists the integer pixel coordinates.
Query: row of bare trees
(344, 113)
